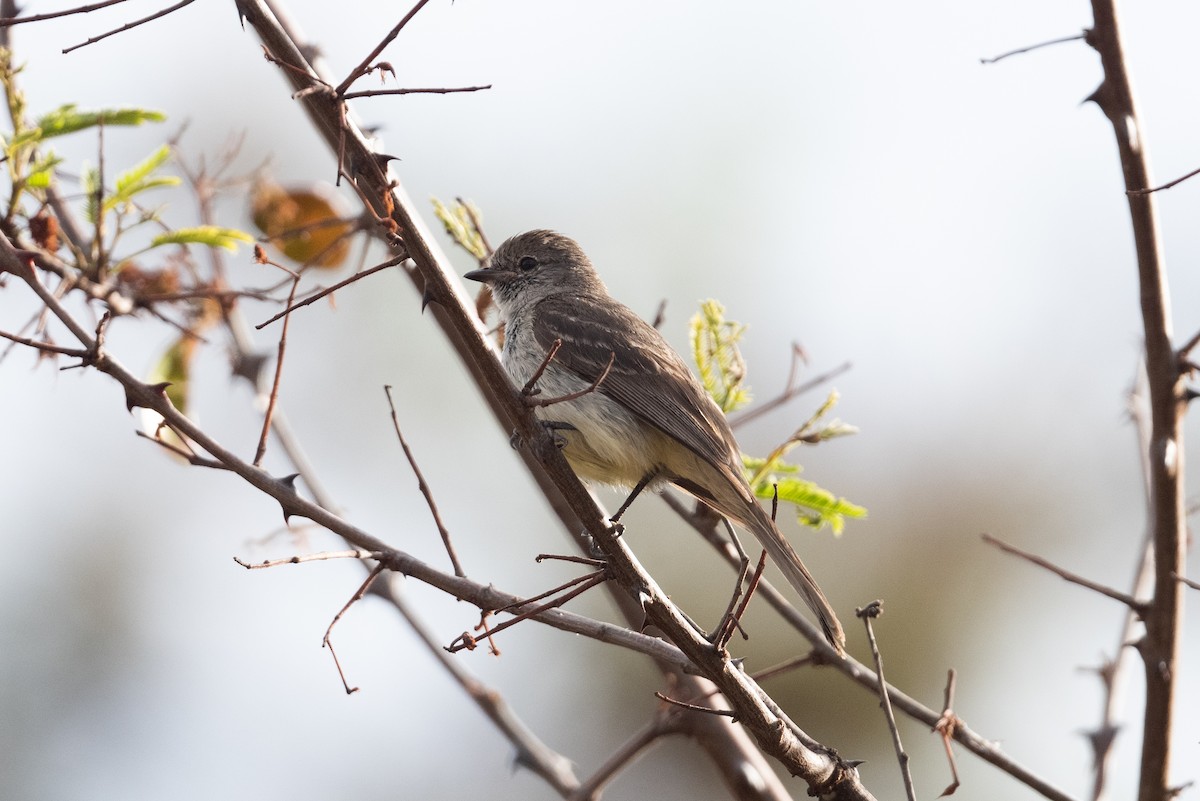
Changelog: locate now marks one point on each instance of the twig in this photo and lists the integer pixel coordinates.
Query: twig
(790, 391)
(1167, 185)
(314, 298)
(1183, 579)
(566, 585)
(664, 723)
(532, 753)
(1108, 592)
(443, 91)
(45, 347)
(590, 388)
(273, 398)
(355, 553)
(783, 667)
(823, 654)
(358, 595)
(1031, 48)
(867, 614)
(595, 579)
(946, 726)
(579, 560)
(6, 22)
(424, 488)
(365, 67)
(1112, 671)
(530, 387)
(191, 457)
(129, 25)
(708, 710)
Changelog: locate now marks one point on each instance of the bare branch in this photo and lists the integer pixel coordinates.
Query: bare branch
(1108, 592)
(424, 488)
(947, 726)
(867, 614)
(358, 276)
(358, 596)
(129, 25)
(1031, 48)
(6, 22)
(442, 91)
(532, 753)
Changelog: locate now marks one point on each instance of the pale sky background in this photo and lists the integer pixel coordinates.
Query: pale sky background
(843, 175)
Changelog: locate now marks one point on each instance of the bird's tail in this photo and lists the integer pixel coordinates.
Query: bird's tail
(784, 555)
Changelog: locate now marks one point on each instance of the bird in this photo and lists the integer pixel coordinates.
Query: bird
(647, 422)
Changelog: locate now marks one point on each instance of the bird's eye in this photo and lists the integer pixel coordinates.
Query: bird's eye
(527, 263)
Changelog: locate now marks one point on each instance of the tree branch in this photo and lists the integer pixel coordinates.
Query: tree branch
(1160, 649)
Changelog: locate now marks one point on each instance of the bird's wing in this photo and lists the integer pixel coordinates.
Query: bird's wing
(651, 381)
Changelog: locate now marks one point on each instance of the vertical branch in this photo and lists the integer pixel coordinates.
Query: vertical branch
(1160, 647)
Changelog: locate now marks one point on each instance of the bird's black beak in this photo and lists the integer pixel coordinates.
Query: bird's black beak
(485, 275)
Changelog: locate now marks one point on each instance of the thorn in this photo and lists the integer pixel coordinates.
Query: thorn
(426, 299)
(382, 160)
(249, 366)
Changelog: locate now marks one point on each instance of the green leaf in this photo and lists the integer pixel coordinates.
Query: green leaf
(41, 172)
(175, 366)
(815, 506)
(141, 178)
(91, 186)
(715, 350)
(210, 235)
(459, 221)
(66, 119)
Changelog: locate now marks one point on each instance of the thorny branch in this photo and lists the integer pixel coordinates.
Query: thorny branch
(1160, 648)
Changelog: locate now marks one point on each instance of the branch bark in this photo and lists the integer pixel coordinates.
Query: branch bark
(1160, 648)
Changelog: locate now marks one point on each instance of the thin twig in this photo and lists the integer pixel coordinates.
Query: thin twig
(424, 488)
(273, 398)
(1031, 48)
(783, 667)
(330, 290)
(530, 387)
(823, 654)
(946, 726)
(708, 710)
(566, 585)
(365, 67)
(1167, 185)
(579, 560)
(358, 596)
(665, 722)
(45, 347)
(597, 578)
(532, 753)
(867, 614)
(355, 553)
(790, 391)
(130, 25)
(570, 396)
(443, 91)
(1108, 592)
(6, 22)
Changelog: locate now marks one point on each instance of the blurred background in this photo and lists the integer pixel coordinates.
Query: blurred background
(844, 176)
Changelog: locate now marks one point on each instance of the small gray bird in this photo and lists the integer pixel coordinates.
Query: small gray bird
(649, 422)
